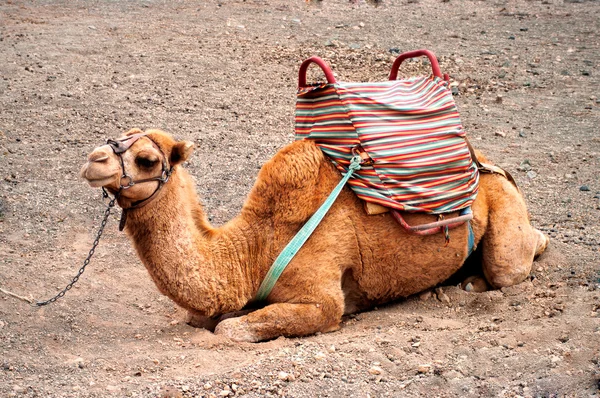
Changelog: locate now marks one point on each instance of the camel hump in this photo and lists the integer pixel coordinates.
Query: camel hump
(293, 184)
(295, 166)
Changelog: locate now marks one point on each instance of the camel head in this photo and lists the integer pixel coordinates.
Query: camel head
(136, 166)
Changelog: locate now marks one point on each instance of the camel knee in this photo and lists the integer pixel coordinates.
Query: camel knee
(507, 276)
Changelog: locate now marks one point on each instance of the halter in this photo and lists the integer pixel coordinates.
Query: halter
(121, 146)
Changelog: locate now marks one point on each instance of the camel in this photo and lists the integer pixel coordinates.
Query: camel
(352, 262)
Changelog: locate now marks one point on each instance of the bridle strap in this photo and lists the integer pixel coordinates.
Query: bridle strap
(121, 146)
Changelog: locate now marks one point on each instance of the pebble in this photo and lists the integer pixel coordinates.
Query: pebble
(500, 134)
(443, 297)
(165, 392)
(424, 369)
(531, 174)
(584, 188)
(224, 393)
(524, 166)
(375, 370)
(320, 355)
(284, 376)
(563, 339)
(425, 295)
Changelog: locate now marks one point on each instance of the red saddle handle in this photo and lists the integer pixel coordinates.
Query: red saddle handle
(435, 66)
(321, 64)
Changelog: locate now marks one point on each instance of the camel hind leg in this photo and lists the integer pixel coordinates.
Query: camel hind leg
(510, 243)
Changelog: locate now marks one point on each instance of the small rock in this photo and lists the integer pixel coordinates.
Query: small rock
(511, 37)
(165, 392)
(563, 339)
(354, 46)
(585, 73)
(284, 376)
(454, 90)
(443, 297)
(394, 50)
(375, 370)
(320, 355)
(224, 393)
(424, 369)
(295, 20)
(500, 134)
(531, 174)
(584, 188)
(499, 99)
(522, 134)
(425, 295)
(523, 29)
(207, 386)
(524, 166)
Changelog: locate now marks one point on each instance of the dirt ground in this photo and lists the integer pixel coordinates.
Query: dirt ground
(223, 74)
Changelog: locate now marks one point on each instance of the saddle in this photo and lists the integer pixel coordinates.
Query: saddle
(414, 150)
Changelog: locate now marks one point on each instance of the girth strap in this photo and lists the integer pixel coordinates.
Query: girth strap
(489, 168)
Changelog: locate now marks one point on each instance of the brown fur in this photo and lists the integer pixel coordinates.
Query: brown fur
(352, 262)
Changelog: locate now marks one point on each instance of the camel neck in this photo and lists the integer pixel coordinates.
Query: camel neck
(210, 270)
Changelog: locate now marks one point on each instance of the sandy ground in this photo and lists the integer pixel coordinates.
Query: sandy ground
(223, 74)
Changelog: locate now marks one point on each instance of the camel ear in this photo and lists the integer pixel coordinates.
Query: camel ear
(133, 131)
(180, 152)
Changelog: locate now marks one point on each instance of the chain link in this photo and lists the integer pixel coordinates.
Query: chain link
(111, 204)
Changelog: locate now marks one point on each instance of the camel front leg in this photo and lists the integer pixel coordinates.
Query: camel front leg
(282, 319)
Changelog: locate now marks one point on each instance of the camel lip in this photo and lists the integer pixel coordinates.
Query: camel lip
(99, 182)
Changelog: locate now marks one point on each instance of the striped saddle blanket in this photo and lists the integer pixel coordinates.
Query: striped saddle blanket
(408, 131)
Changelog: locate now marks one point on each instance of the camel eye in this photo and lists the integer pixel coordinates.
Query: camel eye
(145, 162)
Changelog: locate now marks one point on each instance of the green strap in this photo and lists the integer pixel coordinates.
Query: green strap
(302, 236)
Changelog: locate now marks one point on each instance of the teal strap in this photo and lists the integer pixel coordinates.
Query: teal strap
(302, 236)
(471, 239)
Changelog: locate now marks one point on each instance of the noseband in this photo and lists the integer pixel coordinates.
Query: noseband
(121, 146)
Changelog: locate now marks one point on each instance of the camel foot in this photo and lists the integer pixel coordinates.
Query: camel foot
(542, 243)
(475, 284)
(236, 329)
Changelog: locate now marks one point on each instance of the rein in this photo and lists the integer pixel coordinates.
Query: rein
(111, 204)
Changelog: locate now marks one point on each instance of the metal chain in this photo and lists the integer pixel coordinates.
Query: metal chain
(111, 204)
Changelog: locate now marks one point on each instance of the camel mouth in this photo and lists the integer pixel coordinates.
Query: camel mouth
(100, 182)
